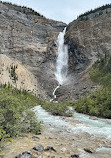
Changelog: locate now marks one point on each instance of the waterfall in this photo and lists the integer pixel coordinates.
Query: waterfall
(62, 59)
(55, 91)
(61, 63)
(54, 96)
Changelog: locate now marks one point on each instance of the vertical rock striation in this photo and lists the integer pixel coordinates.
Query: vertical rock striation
(87, 40)
(30, 38)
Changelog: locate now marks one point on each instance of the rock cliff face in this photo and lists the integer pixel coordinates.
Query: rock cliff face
(87, 40)
(13, 73)
(30, 38)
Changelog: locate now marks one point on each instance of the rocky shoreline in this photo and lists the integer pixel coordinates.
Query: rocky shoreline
(61, 142)
(51, 146)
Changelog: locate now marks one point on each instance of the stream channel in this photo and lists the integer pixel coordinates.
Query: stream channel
(79, 132)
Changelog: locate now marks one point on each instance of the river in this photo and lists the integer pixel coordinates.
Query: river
(89, 132)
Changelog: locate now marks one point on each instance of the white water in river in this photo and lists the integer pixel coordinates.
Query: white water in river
(62, 59)
(100, 127)
(82, 123)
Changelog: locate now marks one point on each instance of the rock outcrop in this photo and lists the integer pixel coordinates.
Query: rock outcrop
(13, 73)
(30, 38)
(87, 40)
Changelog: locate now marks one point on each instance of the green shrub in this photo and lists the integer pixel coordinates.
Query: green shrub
(29, 122)
(3, 137)
(13, 73)
(61, 109)
(101, 71)
(15, 114)
(98, 103)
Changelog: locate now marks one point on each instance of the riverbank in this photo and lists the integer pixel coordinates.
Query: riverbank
(16, 116)
(63, 140)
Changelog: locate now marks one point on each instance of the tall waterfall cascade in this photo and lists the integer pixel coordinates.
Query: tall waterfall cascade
(61, 62)
(62, 59)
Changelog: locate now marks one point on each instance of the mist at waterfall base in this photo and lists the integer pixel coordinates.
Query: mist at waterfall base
(62, 59)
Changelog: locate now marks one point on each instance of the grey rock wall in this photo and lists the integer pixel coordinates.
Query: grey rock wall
(31, 40)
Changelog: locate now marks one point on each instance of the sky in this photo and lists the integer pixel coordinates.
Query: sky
(61, 10)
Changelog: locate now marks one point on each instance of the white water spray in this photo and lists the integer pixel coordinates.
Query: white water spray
(62, 59)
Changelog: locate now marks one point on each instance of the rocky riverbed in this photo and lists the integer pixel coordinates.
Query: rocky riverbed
(79, 136)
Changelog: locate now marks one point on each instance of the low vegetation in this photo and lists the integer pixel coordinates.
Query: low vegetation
(13, 74)
(86, 15)
(60, 109)
(98, 103)
(16, 117)
(15, 114)
(101, 72)
(23, 9)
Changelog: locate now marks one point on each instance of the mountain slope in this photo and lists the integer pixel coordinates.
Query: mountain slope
(88, 39)
(30, 38)
(17, 75)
